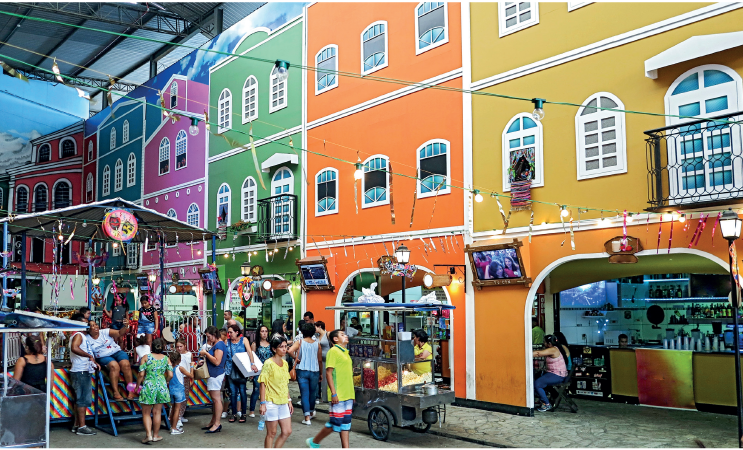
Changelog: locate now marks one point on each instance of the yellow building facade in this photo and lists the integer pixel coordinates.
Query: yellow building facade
(677, 59)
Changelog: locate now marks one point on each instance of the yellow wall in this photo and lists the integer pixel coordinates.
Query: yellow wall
(558, 31)
(619, 71)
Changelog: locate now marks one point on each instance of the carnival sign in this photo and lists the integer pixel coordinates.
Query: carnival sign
(120, 225)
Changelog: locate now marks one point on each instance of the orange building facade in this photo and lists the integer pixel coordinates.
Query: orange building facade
(396, 132)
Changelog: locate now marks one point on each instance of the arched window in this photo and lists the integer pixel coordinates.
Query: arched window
(431, 26)
(22, 199)
(522, 147)
(326, 195)
(112, 144)
(375, 181)
(164, 156)
(700, 158)
(374, 48)
(106, 183)
(192, 216)
(279, 90)
(180, 150)
(89, 188)
(249, 200)
(174, 95)
(62, 194)
(125, 133)
(118, 175)
(327, 65)
(172, 214)
(90, 150)
(433, 168)
(131, 170)
(225, 111)
(45, 153)
(41, 198)
(282, 216)
(69, 148)
(600, 137)
(223, 205)
(250, 99)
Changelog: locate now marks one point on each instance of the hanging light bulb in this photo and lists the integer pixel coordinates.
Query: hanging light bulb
(564, 212)
(630, 219)
(60, 237)
(226, 255)
(255, 253)
(478, 196)
(682, 219)
(115, 245)
(198, 252)
(282, 69)
(359, 173)
(194, 128)
(538, 113)
(544, 223)
(291, 247)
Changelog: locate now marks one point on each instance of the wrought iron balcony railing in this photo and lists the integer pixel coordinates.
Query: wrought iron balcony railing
(278, 218)
(696, 162)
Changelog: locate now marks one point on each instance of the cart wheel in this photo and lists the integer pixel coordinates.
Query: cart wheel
(380, 424)
(420, 427)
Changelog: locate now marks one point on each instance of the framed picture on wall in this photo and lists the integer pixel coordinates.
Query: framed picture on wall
(497, 265)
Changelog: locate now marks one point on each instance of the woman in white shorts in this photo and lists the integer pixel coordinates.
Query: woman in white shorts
(215, 363)
(276, 403)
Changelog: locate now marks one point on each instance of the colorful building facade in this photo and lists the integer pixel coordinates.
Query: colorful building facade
(666, 59)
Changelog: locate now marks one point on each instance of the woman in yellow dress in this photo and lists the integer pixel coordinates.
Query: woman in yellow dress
(423, 352)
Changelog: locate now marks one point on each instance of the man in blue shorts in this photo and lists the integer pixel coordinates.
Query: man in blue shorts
(110, 355)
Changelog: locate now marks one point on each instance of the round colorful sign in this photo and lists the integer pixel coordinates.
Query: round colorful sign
(120, 225)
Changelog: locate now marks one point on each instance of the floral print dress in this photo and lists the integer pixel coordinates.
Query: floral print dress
(154, 387)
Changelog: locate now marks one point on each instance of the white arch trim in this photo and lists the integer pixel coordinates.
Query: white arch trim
(547, 270)
(61, 142)
(733, 74)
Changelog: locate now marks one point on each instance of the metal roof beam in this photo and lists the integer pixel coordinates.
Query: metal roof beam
(17, 25)
(85, 82)
(62, 41)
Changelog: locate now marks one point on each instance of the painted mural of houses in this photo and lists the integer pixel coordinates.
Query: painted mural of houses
(260, 206)
(174, 178)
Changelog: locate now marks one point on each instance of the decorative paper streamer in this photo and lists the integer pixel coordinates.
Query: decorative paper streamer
(624, 233)
(12, 72)
(255, 156)
(412, 211)
(109, 95)
(670, 237)
(502, 213)
(660, 228)
(564, 231)
(734, 258)
(432, 244)
(572, 235)
(443, 245)
(206, 121)
(392, 200)
(704, 225)
(356, 194)
(696, 231)
(344, 248)
(353, 246)
(714, 227)
(506, 222)
(425, 246)
(435, 201)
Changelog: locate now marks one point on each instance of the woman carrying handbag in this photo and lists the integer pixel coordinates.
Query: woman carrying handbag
(215, 359)
(237, 344)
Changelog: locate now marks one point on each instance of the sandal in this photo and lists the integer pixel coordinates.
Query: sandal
(242, 420)
(147, 440)
(232, 419)
(157, 439)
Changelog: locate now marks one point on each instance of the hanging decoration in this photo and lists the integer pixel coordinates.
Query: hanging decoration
(660, 228)
(670, 236)
(58, 76)
(392, 200)
(714, 227)
(247, 290)
(734, 258)
(572, 235)
(96, 295)
(120, 225)
(502, 213)
(700, 228)
(412, 211)
(12, 72)
(520, 176)
(395, 269)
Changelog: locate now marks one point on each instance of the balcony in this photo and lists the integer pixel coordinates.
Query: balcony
(697, 163)
(278, 217)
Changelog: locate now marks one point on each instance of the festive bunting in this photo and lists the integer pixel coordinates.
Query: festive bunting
(734, 258)
(670, 237)
(12, 72)
(572, 235)
(392, 200)
(714, 227)
(660, 228)
(531, 225)
(412, 211)
(704, 225)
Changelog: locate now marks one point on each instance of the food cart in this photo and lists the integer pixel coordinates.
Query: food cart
(388, 391)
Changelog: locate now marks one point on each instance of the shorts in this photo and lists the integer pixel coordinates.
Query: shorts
(82, 384)
(214, 383)
(117, 325)
(118, 357)
(177, 393)
(340, 416)
(276, 412)
(146, 327)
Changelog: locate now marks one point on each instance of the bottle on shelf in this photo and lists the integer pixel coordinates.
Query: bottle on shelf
(679, 292)
(651, 292)
(658, 292)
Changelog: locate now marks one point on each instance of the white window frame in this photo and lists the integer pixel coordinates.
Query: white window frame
(61, 145)
(174, 216)
(502, 31)
(89, 192)
(125, 132)
(386, 201)
(174, 94)
(274, 76)
(572, 6)
(538, 151)
(335, 84)
(112, 139)
(446, 189)
(53, 200)
(163, 150)
(580, 134)
(193, 215)
(224, 110)
(38, 158)
(29, 198)
(90, 150)
(106, 182)
(247, 119)
(418, 50)
(227, 196)
(244, 215)
(132, 256)
(118, 175)
(317, 192)
(131, 170)
(181, 137)
(386, 47)
(116, 248)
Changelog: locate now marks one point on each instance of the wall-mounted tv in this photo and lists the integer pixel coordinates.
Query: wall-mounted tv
(313, 271)
(210, 280)
(709, 285)
(496, 265)
(143, 282)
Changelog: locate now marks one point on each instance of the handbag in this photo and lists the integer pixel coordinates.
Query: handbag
(201, 372)
(293, 374)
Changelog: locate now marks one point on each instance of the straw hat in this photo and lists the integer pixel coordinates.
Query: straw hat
(168, 335)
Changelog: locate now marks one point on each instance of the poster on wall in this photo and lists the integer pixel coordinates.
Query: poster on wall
(211, 281)
(497, 265)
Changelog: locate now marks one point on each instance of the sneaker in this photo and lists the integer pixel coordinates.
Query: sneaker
(85, 431)
(179, 424)
(177, 431)
(184, 420)
(311, 444)
(252, 415)
(74, 429)
(545, 407)
(307, 422)
(314, 413)
(224, 415)
(239, 414)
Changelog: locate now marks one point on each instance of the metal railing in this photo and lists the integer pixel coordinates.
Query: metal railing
(696, 162)
(278, 218)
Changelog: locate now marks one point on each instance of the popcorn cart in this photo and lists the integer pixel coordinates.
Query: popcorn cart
(391, 389)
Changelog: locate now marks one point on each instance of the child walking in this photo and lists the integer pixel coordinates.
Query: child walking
(182, 349)
(177, 392)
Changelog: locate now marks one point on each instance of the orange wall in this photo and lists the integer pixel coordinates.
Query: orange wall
(345, 266)
(500, 311)
(395, 129)
(343, 23)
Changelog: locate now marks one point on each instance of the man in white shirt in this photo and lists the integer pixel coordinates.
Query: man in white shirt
(83, 367)
(110, 355)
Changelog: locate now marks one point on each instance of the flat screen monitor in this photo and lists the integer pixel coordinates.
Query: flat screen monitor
(143, 283)
(709, 285)
(314, 275)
